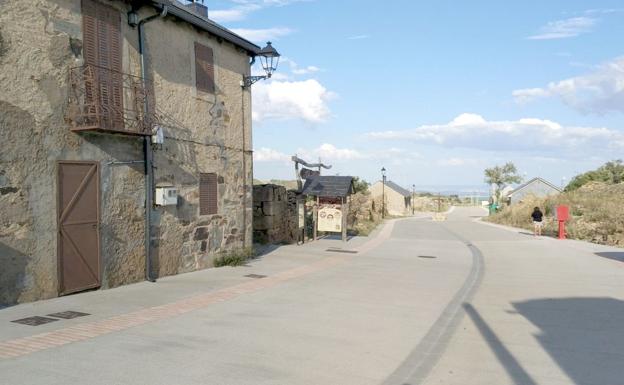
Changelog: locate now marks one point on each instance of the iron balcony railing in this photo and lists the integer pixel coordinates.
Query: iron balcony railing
(101, 99)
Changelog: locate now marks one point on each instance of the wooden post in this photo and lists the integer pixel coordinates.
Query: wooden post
(303, 236)
(345, 212)
(316, 218)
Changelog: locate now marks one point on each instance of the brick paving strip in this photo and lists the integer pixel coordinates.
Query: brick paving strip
(26, 345)
(43, 341)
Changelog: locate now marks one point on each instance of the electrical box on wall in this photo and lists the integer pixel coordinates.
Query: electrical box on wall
(166, 196)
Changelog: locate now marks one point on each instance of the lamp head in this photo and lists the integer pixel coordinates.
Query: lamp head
(269, 58)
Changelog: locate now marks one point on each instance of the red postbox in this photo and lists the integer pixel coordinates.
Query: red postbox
(563, 214)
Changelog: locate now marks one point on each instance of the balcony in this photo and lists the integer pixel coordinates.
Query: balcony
(108, 101)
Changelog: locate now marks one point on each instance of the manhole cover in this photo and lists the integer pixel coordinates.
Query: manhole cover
(342, 251)
(255, 276)
(34, 321)
(427, 256)
(68, 314)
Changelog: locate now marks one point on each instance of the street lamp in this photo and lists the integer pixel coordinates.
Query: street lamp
(413, 197)
(269, 58)
(383, 192)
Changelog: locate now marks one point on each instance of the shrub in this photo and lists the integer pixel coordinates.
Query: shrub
(234, 258)
(596, 209)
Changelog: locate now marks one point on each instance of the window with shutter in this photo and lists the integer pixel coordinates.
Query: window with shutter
(208, 193)
(101, 29)
(204, 69)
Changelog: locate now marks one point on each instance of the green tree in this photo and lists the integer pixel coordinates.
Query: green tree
(609, 173)
(360, 185)
(502, 176)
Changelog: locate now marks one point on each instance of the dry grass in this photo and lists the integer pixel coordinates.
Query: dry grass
(597, 212)
(363, 218)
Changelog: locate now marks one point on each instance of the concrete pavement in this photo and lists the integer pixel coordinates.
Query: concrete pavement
(456, 302)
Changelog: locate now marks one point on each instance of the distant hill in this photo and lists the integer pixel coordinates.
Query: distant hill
(609, 173)
(289, 184)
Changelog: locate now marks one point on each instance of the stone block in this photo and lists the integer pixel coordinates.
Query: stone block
(201, 233)
(262, 193)
(263, 223)
(273, 208)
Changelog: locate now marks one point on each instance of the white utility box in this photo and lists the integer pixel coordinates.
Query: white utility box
(166, 196)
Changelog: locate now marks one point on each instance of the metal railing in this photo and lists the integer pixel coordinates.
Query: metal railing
(101, 99)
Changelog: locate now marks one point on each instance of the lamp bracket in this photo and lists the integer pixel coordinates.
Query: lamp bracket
(249, 80)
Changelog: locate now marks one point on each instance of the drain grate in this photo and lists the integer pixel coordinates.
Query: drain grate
(69, 314)
(427, 256)
(342, 251)
(34, 321)
(257, 276)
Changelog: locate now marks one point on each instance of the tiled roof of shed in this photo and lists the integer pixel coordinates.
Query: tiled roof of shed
(534, 180)
(398, 188)
(329, 186)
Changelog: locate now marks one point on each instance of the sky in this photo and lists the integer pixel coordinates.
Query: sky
(436, 91)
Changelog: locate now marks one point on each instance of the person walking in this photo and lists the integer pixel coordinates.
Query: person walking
(537, 221)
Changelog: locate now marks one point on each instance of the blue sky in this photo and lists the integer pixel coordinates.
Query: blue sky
(436, 91)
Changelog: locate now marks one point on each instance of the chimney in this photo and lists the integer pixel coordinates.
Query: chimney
(198, 7)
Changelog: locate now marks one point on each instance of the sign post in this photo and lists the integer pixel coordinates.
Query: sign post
(563, 214)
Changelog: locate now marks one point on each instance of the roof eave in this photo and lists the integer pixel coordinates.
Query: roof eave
(206, 25)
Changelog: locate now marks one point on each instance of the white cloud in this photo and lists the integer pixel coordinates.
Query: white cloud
(305, 71)
(269, 155)
(527, 135)
(262, 35)
(331, 152)
(306, 100)
(358, 37)
(227, 15)
(456, 162)
(561, 29)
(599, 92)
(295, 69)
(244, 8)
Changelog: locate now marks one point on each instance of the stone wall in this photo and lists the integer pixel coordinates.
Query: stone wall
(275, 218)
(39, 41)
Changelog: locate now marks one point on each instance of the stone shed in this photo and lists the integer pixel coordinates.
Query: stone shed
(398, 200)
(537, 187)
(126, 144)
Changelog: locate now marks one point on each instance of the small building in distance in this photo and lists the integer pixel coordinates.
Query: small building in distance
(397, 199)
(537, 187)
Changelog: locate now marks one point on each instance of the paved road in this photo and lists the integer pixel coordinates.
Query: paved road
(457, 302)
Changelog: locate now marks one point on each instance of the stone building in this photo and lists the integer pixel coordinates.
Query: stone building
(397, 199)
(82, 94)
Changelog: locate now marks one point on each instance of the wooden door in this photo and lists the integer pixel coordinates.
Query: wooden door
(78, 217)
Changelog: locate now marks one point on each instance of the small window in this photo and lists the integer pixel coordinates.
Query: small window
(204, 69)
(208, 193)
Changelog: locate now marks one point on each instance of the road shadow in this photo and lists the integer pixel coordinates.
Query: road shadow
(504, 356)
(336, 237)
(584, 336)
(615, 255)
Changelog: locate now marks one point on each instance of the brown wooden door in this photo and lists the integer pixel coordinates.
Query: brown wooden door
(78, 211)
(101, 25)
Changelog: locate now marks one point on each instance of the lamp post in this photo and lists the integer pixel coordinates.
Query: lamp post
(413, 197)
(383, 192)
(269, 58)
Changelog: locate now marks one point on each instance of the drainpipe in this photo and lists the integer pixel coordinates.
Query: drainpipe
(251, 63)
(147, 150)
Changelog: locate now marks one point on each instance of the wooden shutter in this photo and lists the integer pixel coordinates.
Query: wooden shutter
(208, 193)
(204, 69)
(102, 49)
